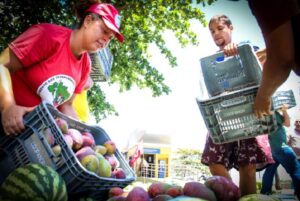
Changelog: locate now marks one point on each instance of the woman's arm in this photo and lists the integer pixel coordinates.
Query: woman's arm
(12, 114)
(68, 109)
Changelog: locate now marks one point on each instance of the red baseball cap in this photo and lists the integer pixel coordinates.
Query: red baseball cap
(110, 16)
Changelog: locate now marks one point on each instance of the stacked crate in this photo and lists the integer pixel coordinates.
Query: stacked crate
(231, 84)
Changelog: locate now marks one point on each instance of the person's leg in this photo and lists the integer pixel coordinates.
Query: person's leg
(267, 180)
(277, 181)
(247, 179)
(288, 159)
(219, 170)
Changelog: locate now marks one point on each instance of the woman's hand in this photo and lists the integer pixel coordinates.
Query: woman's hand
(12, 119)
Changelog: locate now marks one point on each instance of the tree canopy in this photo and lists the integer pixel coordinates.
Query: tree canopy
(143, 23)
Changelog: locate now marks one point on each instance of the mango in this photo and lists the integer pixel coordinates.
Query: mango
(91, 163)
(100, 149)
(56, 150)
(175, 191)
(88, 139)
(84, 151)
(62, 125)
(199, 190)
(138, 194)
(49, 136)
(119, 173)
(110, 146)
(68, 140)
(115, 191)
(77, 138)
(158, 188)
(104, 169)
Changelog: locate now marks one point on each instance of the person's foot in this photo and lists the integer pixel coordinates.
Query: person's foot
(278, 187)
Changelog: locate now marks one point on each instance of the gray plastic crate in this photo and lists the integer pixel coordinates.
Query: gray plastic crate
(31, 146)
(223, 74)
(230, 117)
(283, 97)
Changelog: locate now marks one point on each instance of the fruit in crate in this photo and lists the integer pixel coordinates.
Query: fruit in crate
(115, 191)
(76, 137)
(88, 139)
(112, 161)
(104, 166)
(91, 163)
(223, 188)
(68, 139)
(110, 146)
(49, 136)
(34, 182)
(119, 173)
(137, 193)
(100, 149)
(199, 190)
(56, 149)
(62, 125)
(84, 151)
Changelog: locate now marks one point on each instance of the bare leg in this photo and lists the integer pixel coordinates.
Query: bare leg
(247, 179)
(219, 170)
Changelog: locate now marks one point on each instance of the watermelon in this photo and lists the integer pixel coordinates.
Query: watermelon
(258, 197)
(34, 182)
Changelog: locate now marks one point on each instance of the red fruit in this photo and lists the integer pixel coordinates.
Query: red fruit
(115, 191)
(175, 191)
(49, 136)
(112, 161)
(77, 138)
(158, 188)
(199, 190)
(87, 141)
(62, 125)
(138, 194)
(84, 151)
(68, 140)
(224, 188)
(119, 173)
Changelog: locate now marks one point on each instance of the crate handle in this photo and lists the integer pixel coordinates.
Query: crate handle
(46, 145)
(234, 101)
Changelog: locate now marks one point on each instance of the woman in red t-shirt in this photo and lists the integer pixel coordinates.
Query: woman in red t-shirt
(50, 62)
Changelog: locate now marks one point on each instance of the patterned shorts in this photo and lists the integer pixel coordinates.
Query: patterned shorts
(235, 154)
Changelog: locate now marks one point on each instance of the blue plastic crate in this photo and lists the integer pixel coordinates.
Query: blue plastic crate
(283, 97)
(230, 117)
(31, 146)
(225, 74)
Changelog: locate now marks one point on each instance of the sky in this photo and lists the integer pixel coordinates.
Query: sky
(177, 114)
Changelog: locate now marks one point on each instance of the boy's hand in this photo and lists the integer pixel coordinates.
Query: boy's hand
(230, 49)
(284, 107)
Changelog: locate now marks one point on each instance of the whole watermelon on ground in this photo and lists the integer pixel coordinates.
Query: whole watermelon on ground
(34, 182)
(257, 197)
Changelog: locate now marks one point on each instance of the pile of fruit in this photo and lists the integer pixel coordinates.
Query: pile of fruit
(99, 159)
(216, 188)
